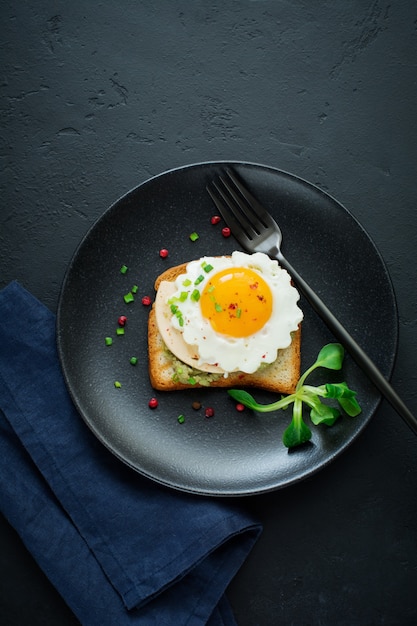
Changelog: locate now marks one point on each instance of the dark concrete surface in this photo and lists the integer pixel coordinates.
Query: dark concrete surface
(96, 98)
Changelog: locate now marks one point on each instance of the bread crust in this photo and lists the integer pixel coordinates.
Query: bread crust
(280, 376)
(170, 274)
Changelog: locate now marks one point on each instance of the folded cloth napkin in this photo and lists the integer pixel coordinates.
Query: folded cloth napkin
(119, 548)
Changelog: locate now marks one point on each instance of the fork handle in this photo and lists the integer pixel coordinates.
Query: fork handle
(361, 358)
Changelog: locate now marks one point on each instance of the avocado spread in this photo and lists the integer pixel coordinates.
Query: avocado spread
(188, 375)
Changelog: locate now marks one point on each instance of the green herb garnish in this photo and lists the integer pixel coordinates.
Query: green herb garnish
(331, 357)
(194, 236)
(129, 297)
(178, 315)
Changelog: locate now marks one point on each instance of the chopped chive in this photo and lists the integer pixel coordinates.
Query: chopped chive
(178, 315)
(181, 419)
(129, 297)
(173, 308)
(238, 313)
(108, 341)
(183, 296)
(123, 269)
(199, 279)
(191, 380)
(120, 331)
(194, 236)
(218, 307)
(207, 268)
(195, 296)
(117, 384)
(133, 360)
(186, 282)
(134, 289)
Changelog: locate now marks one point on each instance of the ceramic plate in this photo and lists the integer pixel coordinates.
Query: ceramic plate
(233, 453)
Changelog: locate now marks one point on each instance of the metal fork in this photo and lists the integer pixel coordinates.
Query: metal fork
(257, 231)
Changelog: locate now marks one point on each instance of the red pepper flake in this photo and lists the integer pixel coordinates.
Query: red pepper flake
(226, 232)
(153, 403)
(215, 219)
(122, 320)
(146, 300)
(163, 253)
(209, 412)
(240, 407)
(254, 285)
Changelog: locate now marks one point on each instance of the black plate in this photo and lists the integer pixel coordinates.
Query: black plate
(232, 453)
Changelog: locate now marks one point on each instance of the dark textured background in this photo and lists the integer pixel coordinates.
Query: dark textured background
(98, 97)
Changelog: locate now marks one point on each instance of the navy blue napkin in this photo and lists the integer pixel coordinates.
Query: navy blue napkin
(119, 548)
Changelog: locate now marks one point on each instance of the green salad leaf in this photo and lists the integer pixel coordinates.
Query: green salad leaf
(330, 357)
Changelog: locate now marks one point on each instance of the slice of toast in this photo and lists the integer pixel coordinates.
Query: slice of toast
(167, 373)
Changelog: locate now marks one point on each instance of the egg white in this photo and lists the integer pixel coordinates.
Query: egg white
(212, 351)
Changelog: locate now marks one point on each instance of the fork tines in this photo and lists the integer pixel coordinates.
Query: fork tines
(239, 209)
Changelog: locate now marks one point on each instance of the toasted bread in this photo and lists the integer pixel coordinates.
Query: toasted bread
(167, 373)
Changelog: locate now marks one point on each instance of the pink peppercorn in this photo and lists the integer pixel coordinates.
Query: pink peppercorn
(146, 300)
(163, 253)
(153, 403)
(209, 412)
(240, 407)
(215, 219)
(122, 320)
(226, 232)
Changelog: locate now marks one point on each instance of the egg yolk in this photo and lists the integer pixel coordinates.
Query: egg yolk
(237, 302)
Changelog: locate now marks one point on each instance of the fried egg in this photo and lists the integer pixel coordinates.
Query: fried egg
(226, 314)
